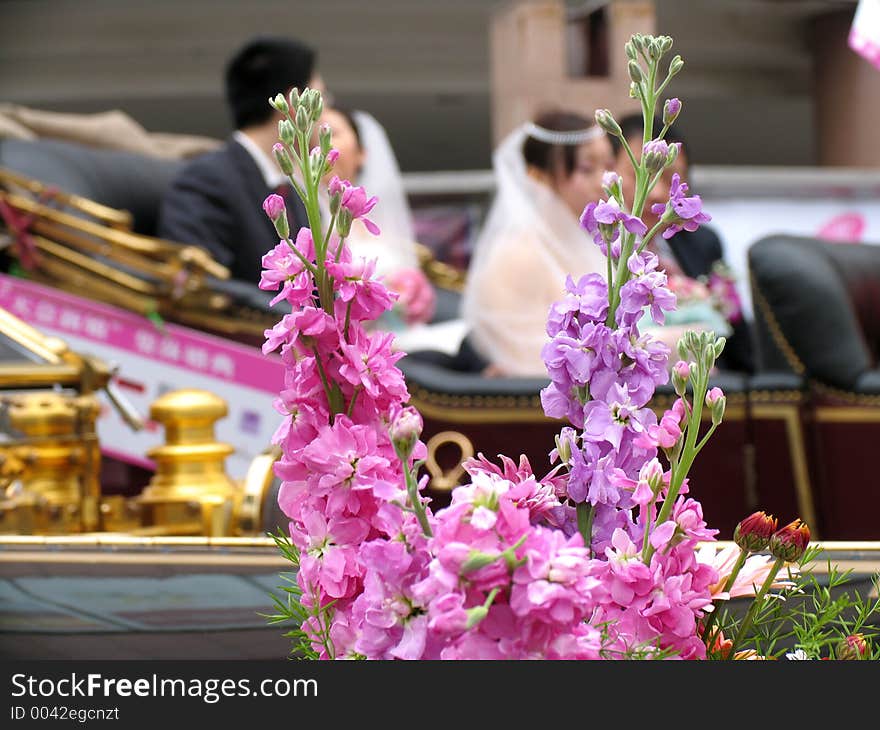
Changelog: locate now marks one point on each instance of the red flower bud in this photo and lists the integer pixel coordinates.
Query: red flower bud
(753, 533)
(853, 646)
(790, 542)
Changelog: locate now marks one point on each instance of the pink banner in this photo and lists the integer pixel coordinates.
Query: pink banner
(42, 306)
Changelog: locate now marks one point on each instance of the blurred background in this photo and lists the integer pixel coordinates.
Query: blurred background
(781, 101)
(758, 82)
(767, 83)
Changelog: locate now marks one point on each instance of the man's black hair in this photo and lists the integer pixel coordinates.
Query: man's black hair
(263, 67)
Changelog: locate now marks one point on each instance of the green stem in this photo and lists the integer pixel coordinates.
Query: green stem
(308, 264)
(629, 152)
(329, 232)
(737, 567)
(412, 490)
(334, 395)
(705, 438)
(686, 460)
(663, 85)
(585, 514)
(753, 609)
(350, 409)
(649, 236)
(339, 249)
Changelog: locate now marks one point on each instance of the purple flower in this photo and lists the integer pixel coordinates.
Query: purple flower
(607, 420)
(654, 155)
(645, 291)
(600, 221)
(681, 212)
(583, 302)
(671, 110)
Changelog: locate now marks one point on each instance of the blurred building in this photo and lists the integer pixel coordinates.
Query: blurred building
(766, 81)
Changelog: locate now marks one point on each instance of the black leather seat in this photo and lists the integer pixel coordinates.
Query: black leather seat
(817, 314)
(122, 180)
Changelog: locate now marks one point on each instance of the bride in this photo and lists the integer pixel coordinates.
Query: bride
(546, 172)
(367, 159)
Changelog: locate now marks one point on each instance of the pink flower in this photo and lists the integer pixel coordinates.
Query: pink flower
(355, 200)
(273, 206)
(751, 577)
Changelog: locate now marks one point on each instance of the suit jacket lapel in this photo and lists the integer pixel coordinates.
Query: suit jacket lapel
(254, 185)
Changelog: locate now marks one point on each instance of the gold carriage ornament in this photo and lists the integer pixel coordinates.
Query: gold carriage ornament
(50, 458)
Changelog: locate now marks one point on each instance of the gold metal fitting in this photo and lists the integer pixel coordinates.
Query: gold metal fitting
(55, 487)
(190, 492)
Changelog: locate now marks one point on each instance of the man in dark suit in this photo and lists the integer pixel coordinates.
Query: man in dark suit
(216, 200)
(695, 253)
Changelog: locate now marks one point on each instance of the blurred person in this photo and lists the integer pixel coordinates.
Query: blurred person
(393, 248)
(693, 260)
(546, 172)
(216, 199)
(367, 159)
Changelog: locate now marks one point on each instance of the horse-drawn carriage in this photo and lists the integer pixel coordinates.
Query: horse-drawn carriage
(174, 454)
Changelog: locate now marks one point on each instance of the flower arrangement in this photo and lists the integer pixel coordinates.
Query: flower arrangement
(606, 555)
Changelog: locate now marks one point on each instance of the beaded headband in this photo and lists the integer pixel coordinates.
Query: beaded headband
(551, 136)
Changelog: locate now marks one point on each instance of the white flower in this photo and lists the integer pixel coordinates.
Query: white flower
(797, 655)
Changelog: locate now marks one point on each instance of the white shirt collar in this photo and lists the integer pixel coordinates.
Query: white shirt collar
(268, 167)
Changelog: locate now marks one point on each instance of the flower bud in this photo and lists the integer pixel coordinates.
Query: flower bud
(343, 222)
(718, 347)
(406, 427)
(475, 615)
(635, 91)
(635, 72)
(630, 51)
(302, 121)
(654, 155)
(332, 156)
(853, 646)
(293, 99)
(335, 200)
(716, 402)
(477, 560)
(315, 162)
(563, 448)
(279, 103)
(274, 208)
(611, 185)
(753, 533)
(692, 341)
(286, 132)
(324, 137)
(652, 473)
(707, 353)
(665, 43)
(671, 156)
(671, 110)
(282, 158)
(682, 348)
(681, 373)
(607, 122)
(790, 542)
(317, 104)
(675, 65)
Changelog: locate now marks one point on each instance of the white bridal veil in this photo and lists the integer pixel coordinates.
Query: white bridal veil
(380, 176)
(528, 245)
